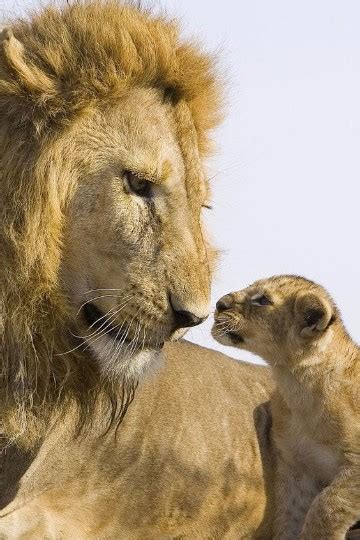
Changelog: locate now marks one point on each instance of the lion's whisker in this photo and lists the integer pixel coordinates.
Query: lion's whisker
(144, 337)
(124, 301)
(102, 329)
(137, 334)
(95, 335)
(96, 298)
(134, 339)
(121, 343)
(115, 343)
(106, 316)
(112, 316)
(98, 290)
(128, 330)
(71, 350)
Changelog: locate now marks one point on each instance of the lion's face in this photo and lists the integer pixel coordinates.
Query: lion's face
(136, 268)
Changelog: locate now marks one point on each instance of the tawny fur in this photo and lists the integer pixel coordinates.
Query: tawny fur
(61, 75)
(191, 459)
(86, 93)
(295, 326)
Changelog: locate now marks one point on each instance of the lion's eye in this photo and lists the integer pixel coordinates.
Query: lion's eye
(138, 185)
(261, 300)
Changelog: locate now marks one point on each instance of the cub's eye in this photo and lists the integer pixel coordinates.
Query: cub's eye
(138, 185)
(260, 300)
(207, 206)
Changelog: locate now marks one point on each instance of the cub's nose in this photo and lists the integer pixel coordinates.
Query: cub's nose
(185, 319)
(225, 302)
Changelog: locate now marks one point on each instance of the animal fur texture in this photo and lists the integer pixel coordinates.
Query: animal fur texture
(58, 71)
(106, 116)
(296, 327)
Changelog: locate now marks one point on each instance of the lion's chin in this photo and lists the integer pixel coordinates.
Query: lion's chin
(178, 334)
(124, 364)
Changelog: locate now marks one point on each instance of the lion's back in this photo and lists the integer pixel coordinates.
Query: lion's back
(192, 457)
(195, 448)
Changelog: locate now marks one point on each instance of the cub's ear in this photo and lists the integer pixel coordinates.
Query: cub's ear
(313, 314)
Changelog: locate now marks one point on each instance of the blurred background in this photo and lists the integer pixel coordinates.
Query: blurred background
(286, 174)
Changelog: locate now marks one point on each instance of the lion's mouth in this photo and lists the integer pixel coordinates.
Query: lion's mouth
(98, 321)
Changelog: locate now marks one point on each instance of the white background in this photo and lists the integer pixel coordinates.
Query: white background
(287, 171)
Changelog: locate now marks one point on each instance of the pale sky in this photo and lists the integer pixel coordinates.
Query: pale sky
(287, 171)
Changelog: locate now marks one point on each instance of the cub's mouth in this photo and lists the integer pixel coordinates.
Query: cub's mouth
(235, 337)
(98, 321)
(220, 331)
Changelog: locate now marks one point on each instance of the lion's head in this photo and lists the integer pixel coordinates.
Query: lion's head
(105, 115)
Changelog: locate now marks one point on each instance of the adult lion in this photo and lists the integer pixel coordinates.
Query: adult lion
(105, 116)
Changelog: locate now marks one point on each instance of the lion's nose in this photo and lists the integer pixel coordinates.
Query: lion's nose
(224, 303)
(185, 319)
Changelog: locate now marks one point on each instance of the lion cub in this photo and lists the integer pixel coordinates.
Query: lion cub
(294, 325)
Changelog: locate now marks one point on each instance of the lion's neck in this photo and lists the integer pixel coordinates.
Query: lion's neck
(78, 393)
(34, 379)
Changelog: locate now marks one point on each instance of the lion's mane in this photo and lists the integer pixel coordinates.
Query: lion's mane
(55, 67)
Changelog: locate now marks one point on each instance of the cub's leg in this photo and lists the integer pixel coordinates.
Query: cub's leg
(295, 492)
(335, 509)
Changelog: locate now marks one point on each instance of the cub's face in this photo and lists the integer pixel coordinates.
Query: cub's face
(136, 264)
(280, 319)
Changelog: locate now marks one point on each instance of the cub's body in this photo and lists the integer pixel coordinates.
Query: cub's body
(302, 445)
(295, 326)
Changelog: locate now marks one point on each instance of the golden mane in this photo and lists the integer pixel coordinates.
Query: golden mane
(54, 67)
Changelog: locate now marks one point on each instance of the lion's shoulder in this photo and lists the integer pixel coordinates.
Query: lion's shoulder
(209, 377)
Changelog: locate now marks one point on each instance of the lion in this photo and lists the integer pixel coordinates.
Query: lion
(112, 425)
(295, 326)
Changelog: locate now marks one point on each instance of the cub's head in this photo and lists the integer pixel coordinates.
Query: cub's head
(282, 319)
(105, 119)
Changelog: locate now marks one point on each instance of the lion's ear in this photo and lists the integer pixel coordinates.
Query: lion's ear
(313, 314)
(25, 72)
(19, 76)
